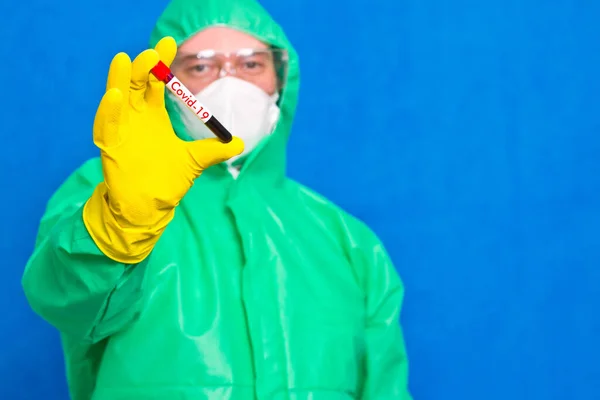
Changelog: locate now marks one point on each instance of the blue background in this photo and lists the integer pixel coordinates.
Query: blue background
(466, 133)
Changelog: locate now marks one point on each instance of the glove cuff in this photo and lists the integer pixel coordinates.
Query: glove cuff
(128, 245)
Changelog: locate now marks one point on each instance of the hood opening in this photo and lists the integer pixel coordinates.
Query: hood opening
(182, 19)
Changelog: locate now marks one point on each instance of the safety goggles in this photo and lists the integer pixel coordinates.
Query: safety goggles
(252, 65)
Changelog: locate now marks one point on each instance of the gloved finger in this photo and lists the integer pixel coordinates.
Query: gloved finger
(166, 49)
(119, 75)
(140, 74)
(208, 152)
(108, 119)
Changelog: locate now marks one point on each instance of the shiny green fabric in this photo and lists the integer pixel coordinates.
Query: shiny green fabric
(258, 289)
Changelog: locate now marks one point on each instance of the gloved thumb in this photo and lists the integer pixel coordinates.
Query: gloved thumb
(208, 152)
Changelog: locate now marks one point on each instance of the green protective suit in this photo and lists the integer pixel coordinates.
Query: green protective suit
(258, 289)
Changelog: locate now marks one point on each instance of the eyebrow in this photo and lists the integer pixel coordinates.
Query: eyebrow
(187, 57)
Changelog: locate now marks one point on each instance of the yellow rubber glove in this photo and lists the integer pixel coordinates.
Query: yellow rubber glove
(147, 168)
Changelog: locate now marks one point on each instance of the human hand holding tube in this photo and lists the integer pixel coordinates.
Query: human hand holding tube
(147, 168)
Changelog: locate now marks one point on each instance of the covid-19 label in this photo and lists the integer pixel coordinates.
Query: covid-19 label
(179, 90)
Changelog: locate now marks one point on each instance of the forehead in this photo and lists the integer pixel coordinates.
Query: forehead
(220, 39)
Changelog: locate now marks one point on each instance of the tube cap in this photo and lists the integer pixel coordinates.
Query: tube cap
(161, 71)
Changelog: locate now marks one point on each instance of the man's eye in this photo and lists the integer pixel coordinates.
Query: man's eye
(200, 68)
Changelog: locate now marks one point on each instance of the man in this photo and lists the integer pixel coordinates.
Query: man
(179, 267)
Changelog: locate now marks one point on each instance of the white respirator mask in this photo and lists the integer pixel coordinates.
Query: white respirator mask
(246, 110)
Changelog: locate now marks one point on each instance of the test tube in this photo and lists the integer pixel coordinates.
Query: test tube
(163, 73)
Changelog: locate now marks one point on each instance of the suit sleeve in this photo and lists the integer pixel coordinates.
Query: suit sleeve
(386, 361)
(68, 281)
